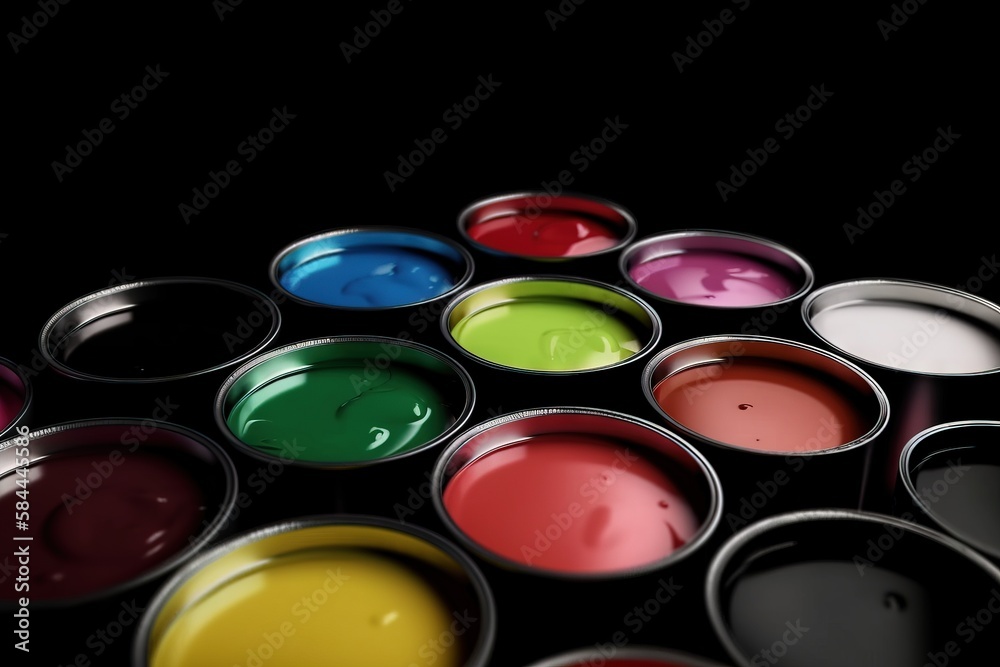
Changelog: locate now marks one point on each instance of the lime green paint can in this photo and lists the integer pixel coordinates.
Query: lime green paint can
(551, 324)
(344, 401)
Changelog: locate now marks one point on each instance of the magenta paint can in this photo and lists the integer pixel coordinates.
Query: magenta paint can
(708, 281)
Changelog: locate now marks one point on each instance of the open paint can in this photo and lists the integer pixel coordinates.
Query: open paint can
(166, 340)
(949, 479)
(159, 330)
(706, 282)
(934, 349)
(330, 590)
(383, 272)
(346, 413)
(580, 335)
(829, 588)
(574, 503)
(532, 227)
(105, 510)
(787, 425)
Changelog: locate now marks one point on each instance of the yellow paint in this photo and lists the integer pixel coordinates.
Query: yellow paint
(322, 607)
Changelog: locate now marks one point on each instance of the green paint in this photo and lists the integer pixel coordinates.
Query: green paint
(342, 412)
(547, 334)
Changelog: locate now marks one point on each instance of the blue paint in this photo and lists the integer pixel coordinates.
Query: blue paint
(369, 276)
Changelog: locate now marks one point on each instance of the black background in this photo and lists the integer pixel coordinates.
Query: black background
(116, 216)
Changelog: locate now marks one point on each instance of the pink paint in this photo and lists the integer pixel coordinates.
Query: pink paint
(714, 278)
(763, 404)
(571, 503)
(12, 396)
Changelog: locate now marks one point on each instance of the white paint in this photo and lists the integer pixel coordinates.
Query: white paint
(911, 337)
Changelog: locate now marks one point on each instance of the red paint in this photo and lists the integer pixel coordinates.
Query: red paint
(763, 405)
(550, 234)
(544, 226)
(571, 503)
(102, 517)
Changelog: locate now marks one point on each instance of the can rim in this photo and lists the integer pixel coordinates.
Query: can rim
(27, 404)
(209, 533)
(807, 305)
(631, 226)
(460, 420)
(480, 652)
(723, 556)
(65, 369)
(706, 530)
(467, 259)
(582, 657)
(808, 275)
(877, 428)
(655, 326)
(905, 474)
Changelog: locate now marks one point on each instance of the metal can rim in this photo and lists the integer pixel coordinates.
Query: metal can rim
(655, 329)
(180, 558)
(725, 553)
(460, 371)
(50, 359)
(810, 300)
(469, 262)
(876, 430)
(704, 534)
(905, 475)
(583, 657)
(808, 275)
(481, 651)
(631, 226)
